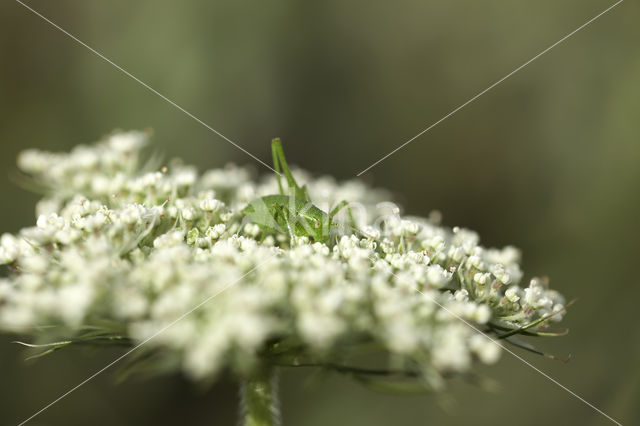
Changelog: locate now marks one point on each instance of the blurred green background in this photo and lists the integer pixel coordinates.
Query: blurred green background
(547, 161)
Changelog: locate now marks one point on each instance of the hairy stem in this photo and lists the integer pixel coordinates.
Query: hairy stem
(260, 405)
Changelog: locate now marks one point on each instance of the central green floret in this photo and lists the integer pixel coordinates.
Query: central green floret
(293, 212)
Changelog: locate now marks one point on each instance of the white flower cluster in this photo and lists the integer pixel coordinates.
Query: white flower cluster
(139, 249)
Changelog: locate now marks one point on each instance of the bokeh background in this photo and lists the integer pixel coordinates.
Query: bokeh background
(547, 161)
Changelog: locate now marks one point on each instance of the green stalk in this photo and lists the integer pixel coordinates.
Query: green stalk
(260, 400)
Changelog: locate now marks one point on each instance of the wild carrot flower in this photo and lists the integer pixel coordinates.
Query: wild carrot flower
(120, 251)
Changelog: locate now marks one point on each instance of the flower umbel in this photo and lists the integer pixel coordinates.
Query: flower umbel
(119, 252)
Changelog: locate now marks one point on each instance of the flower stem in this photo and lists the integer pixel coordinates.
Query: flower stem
(260, 400)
